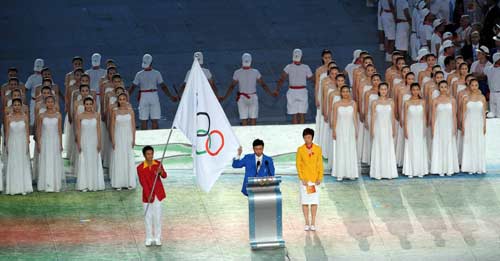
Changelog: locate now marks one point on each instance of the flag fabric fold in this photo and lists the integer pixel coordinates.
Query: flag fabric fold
(202, 120)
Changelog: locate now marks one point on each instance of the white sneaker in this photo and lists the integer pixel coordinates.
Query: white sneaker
(148, 242)
(312, 228)
(158, 242)
(306, 228)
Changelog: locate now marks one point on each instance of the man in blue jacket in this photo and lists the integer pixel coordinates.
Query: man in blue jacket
(256, 164)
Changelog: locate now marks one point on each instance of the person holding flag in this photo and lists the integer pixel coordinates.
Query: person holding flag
(153, 193)
(256, 164)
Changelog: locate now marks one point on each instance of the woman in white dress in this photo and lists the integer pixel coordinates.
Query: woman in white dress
(333, 97)
(382, 130)
(345, 124)
(17, 138)
(69, 134)
(416, 157)
(370, 97)
(122, 165)
(474, 130)
(444, 130)
(328, 85)
(403, 94)
(49, 146)
(364, 86)
(319, 75)
(460, 84)
(88, 133)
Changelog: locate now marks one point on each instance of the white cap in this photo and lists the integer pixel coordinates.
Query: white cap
(246, 60)
(147, 59)
(297, 55)
(198, 56)
(355, 55)
(424, 12)
(483, 49)
(497, 37)
(496, 57)
(437, 23)
(38, 66)
(421, 5)
(422, 52)
(96, 60)
(447, 43)
(447, 35)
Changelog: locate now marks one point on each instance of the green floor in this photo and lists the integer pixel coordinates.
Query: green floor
(455, 218)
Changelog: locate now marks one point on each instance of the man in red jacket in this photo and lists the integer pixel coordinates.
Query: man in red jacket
(147, 172)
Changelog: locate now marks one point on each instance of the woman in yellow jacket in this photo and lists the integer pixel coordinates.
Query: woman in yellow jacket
(309, 164)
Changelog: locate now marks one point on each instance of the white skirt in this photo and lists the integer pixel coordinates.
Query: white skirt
(309, 199)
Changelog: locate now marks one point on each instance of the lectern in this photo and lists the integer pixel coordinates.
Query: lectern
(265, 212)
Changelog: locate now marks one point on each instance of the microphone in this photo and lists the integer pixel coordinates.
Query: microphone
(257, 169)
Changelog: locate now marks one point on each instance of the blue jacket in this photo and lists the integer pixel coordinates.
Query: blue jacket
(248, 161)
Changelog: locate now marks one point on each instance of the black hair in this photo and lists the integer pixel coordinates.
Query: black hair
(79, 70)
(473, 80)
(88, 98)
(308, 131)
(110, 61)
(400, 58)
(45, 88)
(49, 97)
(146, 148)
(77, 58)
(12, 69)
(430, 55)
(14, 79)
(110, 68)
(382, 84)
(116, 75)
(367, 58)
(85, 75)
(258, 142)
(443, 81)
(414, 84)
(376, 75)
(16, 90)
(438, 72)
(17, 100)
(47, 80)
(121, 94)
(45, 69)
(409, 73)
(448, 60)
(325, 51)
(339, 75)
(83, 86)
(345, 87)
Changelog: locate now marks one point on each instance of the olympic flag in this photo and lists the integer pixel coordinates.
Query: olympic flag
(203, 121)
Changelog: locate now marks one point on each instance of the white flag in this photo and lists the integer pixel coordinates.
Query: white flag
(201, 118)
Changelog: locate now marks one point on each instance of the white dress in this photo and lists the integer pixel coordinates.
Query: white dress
(416, 157)
(18, 170)
(361, 128)
(50, 167)
(367, 139)
(460, 138)
(435, 94)
(444, 146)
(89, 170)
(474, 153)
(383, 160)
(326, 131)
(346, 165)
(331, 142)
(75, 156)
(400, 141)
(122, 165)
(319, 116)
(106, 141)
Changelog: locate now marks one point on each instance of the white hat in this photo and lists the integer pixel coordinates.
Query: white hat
(198, 56)
(421, 5)
(147, 59)
(246, 60)
(355, 55)
(38, 66)
(422, 52)
(96, 59)
(437, 23)
(496, 57)
(497, 37)
(447, 43)
(483, 49)
(424, 12)
(447, 35)
(297, 55)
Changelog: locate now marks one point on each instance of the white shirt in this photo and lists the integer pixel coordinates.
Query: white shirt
(350, 70)
(95, 76)
(385, 4)
(493, 75)
(401, 5)
(476, 67)
(435, 39)
(33, 81)
(425, 33)
(247, 79)
(207, 73)
(257, 159)
(148, 80)
(416, 19)
(298, 74)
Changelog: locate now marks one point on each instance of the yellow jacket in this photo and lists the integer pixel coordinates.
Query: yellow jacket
(309, 166)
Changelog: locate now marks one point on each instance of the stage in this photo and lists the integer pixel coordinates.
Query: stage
(439, 218)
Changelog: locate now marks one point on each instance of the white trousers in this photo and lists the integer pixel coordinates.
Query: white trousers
(495, 103)
(152, 220)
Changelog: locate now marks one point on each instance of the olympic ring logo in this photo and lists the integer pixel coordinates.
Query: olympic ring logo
(209, 134)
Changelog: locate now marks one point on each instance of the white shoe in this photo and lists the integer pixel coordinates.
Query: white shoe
(312, 228)
(148, 242)
(306, 228)
(118, 189)
(158, 242)
(339, 179)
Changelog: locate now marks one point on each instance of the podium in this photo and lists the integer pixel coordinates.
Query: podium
(265, 212)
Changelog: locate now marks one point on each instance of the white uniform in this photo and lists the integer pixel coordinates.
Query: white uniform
(416, 20)
(33, 81)
(248, 102)
(441, 8)
(402, 28)
(297, 100)
(388, 23)
(149, 102)
(425, 34)
(95, 76)
(493, 75)
(350, 70)
(435, 39)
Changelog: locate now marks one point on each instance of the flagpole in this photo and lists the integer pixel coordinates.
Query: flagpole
(159, 170)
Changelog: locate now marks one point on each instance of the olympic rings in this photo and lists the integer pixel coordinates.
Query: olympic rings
(208, 142)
